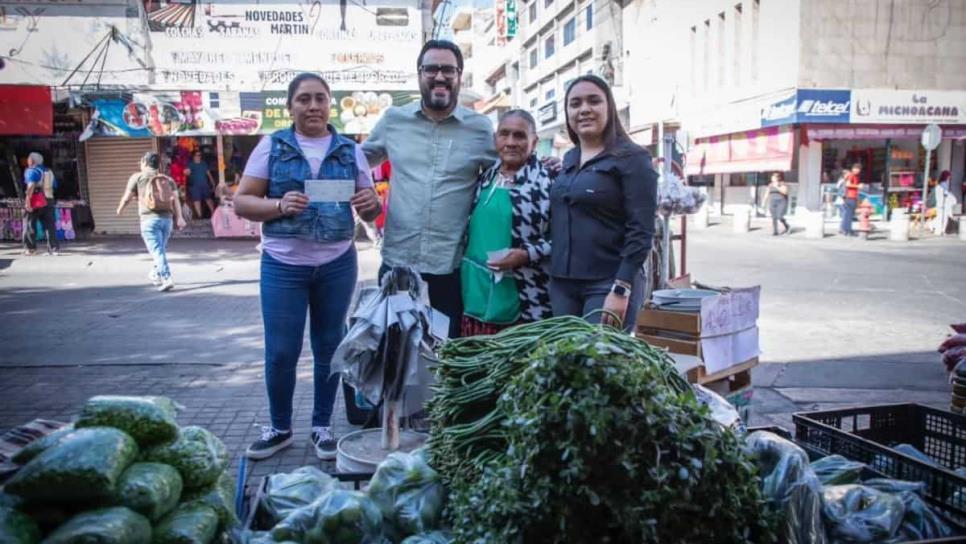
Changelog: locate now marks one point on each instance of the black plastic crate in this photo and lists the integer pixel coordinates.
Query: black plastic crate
(868, 434)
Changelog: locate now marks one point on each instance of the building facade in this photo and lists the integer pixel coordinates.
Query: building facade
(804, 87)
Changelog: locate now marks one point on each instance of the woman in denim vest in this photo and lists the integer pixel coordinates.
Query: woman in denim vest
(308, 259)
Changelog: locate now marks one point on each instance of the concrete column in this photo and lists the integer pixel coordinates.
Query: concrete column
(944, 156)
(809, 198)
(958, 168)
(719, 192)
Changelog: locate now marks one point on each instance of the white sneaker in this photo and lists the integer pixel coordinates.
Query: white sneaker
(166, 285)
(154, 278)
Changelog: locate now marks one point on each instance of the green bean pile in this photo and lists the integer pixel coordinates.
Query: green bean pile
(467, 431)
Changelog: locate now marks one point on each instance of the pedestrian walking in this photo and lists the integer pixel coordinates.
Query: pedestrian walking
(158, 201)
(308, 259)
(778, 203)
(438, 148)
(200, 182)
(511, 215)
(851, 199)
(39, 205)
(945, 203)
(602, 209)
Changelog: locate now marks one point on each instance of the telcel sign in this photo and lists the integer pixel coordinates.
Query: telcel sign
(809, 106)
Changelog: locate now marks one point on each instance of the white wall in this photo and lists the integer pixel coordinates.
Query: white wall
(902, 44)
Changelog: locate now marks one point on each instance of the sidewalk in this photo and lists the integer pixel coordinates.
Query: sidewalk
(77, 326)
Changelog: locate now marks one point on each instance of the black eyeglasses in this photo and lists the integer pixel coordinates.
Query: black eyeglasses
(433, 70)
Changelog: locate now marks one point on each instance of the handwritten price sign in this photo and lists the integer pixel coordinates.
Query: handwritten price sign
(730, 313)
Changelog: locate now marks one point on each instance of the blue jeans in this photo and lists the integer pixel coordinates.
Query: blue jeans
(156, 231)
(848, 213)
(581, 297)
(286, 292)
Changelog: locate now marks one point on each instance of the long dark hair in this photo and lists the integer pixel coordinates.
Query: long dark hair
(297, 80)
(614, 132)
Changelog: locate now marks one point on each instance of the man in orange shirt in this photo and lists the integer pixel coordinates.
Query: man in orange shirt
(852, 185)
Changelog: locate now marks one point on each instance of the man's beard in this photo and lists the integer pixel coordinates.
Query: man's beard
(438, 103)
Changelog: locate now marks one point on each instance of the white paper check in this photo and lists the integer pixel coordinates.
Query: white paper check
(330, 190)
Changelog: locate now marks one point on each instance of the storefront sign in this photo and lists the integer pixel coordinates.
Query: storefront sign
(908, 107)
(809, 106)
(206, 113)
(753, 151)
(547, 113)
(26, 111)
(223, 44)
(506, 20)
(880, 132)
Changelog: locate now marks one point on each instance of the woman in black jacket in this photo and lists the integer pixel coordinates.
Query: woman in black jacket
(602, 208)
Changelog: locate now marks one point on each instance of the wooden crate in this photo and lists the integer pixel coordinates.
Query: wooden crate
(656, 322)
(700, 376)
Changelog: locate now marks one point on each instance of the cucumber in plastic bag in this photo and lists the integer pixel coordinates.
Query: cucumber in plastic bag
(84, 465)
(40, 445)
(193, 523)
(198, 455)
(150, 489)
(837, 470)
(340, 516)
(17, 528)
(857, 513)
(220, 496)
(409, 494)
(286, 492)
(148, 420)
(117, 525)
(920, 521)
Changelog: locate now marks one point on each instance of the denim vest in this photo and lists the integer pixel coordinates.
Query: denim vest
(288, 169)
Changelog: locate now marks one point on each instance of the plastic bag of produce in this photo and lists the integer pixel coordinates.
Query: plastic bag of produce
(435, 537)
(150, 489)
(837, 470)
(409, 494)
(220, 496)
(117, 525)
(284, 493)
(920, 521)
(721, 410)
(858, 513)
(9, 501)
(40, 445)
(790, 486)
(148, 420)
(193, 523)
(17, 528)
(339, 516)
(198, 455)
(85, 465)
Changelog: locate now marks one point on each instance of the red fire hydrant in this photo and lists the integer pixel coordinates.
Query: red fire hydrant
(864, 212)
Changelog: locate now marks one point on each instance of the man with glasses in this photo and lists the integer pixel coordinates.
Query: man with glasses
(437, 149)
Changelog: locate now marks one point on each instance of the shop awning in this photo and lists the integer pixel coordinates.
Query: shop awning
(26, 110)
(751, 151)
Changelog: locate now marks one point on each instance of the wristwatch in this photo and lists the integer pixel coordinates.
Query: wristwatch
(621, 290)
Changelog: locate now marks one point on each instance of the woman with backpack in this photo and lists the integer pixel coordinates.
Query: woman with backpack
(158, 201)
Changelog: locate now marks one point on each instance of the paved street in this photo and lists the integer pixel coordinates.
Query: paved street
(842, 322)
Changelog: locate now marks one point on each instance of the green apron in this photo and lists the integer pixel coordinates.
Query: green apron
(490, 230)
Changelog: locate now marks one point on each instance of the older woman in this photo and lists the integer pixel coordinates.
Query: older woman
(504, 272)
(308, 260)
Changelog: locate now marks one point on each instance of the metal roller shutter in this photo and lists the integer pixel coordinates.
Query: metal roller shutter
(110, 163)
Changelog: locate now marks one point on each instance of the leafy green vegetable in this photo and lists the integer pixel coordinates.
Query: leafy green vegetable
(220, 496)
(38, 446)
(117, 525)
(85, 465)
(17, 528)
(286, 492)
(409, 493)
(148, 420)
(837, 470)
(198, 455)
(150, 489)
(193, 523)
(340, 516)
(593, 438)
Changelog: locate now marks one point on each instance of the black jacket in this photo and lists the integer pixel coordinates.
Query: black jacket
(602, 214)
